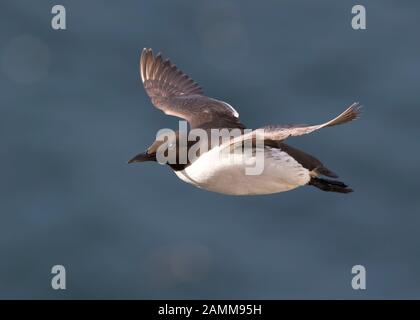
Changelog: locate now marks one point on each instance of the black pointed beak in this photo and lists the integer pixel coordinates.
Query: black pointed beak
(142, 157)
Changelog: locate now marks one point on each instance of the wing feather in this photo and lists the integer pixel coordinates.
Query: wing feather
(176, 94)
(282, 132)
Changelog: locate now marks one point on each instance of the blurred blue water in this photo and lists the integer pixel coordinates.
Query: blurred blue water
(72, 112)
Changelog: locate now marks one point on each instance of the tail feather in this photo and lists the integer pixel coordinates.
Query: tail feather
(330, 185)
(321, 170)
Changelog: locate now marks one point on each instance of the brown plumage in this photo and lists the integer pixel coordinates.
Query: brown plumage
(176, 94)
(282, 132)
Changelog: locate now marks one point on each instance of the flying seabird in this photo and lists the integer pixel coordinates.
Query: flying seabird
(285, 167)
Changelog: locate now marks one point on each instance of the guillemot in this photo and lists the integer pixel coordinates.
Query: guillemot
(284, 167)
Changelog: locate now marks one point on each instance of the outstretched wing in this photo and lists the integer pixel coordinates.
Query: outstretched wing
(280, 133)
(176, 94)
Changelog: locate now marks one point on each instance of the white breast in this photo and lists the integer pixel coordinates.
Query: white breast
(222, 174)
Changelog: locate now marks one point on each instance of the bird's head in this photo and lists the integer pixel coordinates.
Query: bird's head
(166, 149)
(148, 155)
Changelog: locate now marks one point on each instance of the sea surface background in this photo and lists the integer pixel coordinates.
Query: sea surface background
(73, 111)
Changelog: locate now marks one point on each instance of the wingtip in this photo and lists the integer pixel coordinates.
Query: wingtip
(146, 56)
(353, 112)
(145, 53)
(356, 109)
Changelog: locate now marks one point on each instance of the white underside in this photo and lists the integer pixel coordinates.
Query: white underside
(227, 175)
